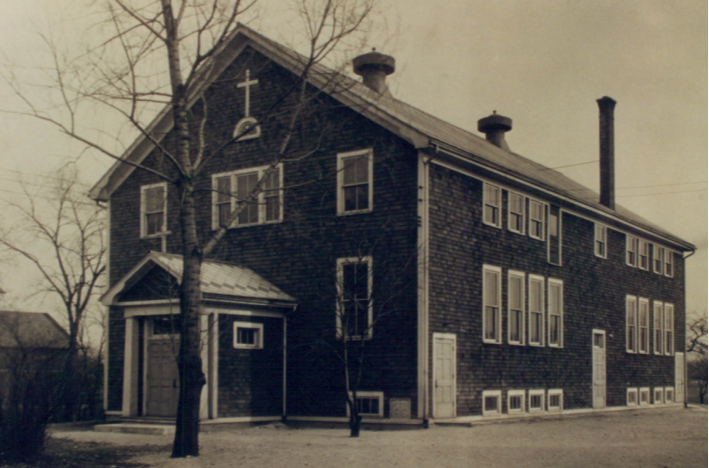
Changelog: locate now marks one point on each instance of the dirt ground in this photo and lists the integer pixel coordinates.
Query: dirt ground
(668, 437)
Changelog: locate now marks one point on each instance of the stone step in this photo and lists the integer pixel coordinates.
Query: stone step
(131, 428)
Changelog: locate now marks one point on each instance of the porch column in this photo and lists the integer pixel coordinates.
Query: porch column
(130, 369)
(205, 342)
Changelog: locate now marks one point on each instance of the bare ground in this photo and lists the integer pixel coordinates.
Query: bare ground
(668, 437)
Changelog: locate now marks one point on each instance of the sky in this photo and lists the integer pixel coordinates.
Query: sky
(541, 63)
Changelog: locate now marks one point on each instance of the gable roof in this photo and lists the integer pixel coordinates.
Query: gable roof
(218, 280)
(31, 329)
(421, 129)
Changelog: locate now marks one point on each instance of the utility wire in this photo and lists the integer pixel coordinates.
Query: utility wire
(661, 193)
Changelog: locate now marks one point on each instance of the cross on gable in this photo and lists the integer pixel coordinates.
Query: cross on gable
(247, 84)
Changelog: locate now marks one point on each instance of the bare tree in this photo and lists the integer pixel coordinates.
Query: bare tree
(697, 335)
(186, 38)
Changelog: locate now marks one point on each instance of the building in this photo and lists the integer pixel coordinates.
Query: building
(492, 286)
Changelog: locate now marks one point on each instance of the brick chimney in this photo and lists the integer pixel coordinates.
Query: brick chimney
(494, 127)
(606, 106)
(374, 67)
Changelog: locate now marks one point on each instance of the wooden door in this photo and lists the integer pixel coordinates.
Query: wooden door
(599, 369)
(444, 383)
(162, 379)
(679, 378)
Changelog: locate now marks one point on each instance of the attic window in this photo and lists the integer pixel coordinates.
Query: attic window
(246, 129)
(153, 208)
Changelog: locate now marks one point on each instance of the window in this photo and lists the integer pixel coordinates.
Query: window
(536, 310)
(492, 292)
(556, 313)
(492, 402)
(600, 241)
(658, 321)
(631, 250)
(515, 305)
(644, 396)
(153, 207)
(536, 219)
(354, 289)
(515, 218)
(669, 263)
(669, 329)
(669, 395)
(491, 205)
(515, 401)
(632, 397)
(369, 404)
(644, 326)
(631, 328)
(658, 256)
(248, 335)
(354, 182)
(643, 255)
(659, 395)
(536, 401)
(555, 399)
(230, 189)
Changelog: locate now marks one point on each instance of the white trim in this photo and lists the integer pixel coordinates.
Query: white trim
(364, 394)
(423, 410)
(341, 262)
(631, 301)
(600, 236)
(520, 275)
(669, 343)
(498, 207)
(143, 224)
(255, 132)
(498, 315)
(251, 326)
(205, 336)
(661, 392)
(130, 368)
(240, 419)
(148, 310)
(519, 394)
(510, 193)
(496, 394)
(555, 282)
(534, 393)
(635, 400)
(341, 176)
(643, 301)
(555, 392)
(214, 366)
(446, 336)
(643, 252)
(260, 198)
(644, 391)
(658, 317)
(532, 202)
(631, 250)
(381, 421)
(542, 312)
(669, 395)
(244, 312)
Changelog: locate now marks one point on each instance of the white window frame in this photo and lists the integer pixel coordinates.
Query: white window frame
(643, 332)
(510, 212)
(634, 393)
(368, 152)
(555, 392)
(658, 259)
(631, 250)
(252, 326)
(669, 328)
(486, 202)
(658, 318)
(631, 312)
(555, 282)
(600, 238)
(661, 392)
(365, 394)
(516, 394)
(669, 264)
(341, 262)
(532, 220)
(519, 275)
(496, 394)
(536, 279)
(143, 222)
(643, 254)
(260, 200)
(534, 393)
(644, 392)
(498, 315)
(669, 395)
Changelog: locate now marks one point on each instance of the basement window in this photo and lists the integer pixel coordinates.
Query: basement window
(644, 396)
(515, 401)
(492, 402)
(536, 401)
(659, 396)
(669, 395)
(369, 404)
(248, 335)
(632, 397)
(555, 399)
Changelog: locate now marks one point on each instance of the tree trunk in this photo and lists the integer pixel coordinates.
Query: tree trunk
(355, 423)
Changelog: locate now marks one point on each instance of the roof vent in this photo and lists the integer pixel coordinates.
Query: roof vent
(374, 67)
(494, 127)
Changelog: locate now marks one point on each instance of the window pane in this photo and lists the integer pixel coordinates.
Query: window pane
(491, 403)
(349, 171)
(154, 223)
(490, 323)
(554, 299)
(362, 169)
(362, 197)
(515, 325)
(223, 189)
(492, 195)
(515, 292)
(535, 296)
(154, 199)
(491, 288)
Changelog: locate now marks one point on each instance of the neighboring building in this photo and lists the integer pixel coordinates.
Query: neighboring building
(499, 287)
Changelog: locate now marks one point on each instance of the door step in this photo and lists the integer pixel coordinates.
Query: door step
(137, 428)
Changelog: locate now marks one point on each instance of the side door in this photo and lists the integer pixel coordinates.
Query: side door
(444, 370)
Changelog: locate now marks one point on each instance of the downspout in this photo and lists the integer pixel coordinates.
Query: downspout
(686, 380)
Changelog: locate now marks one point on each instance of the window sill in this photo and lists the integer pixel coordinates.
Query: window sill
(540, 239)
(521, 233)
(354, 212)
(491, 224)
(156, 236)
(536, 345)
(239, 226)
(515, 343)
(488, 341)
